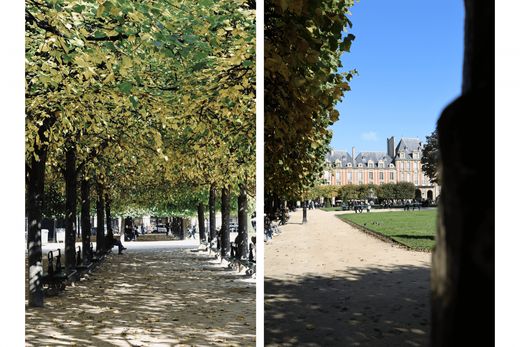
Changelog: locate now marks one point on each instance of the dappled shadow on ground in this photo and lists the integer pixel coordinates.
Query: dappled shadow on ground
(161, 298)
(357, 307)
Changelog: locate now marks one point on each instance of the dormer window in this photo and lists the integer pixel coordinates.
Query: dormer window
(370, 163)
(401, 154)
(391, 165)
(415, 155)
(337, 163)
(359, 165)
(381, 164)
(349, 164)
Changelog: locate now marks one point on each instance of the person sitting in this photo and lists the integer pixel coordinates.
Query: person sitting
(112, 241)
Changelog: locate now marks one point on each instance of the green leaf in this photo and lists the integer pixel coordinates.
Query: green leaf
(125, 87)
(134, 101)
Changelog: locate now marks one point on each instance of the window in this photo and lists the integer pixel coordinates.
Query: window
(408, 177)
(360, 177)
(391, 165)
(381, 175)
(370, 163)
(370, 175)
(349, 177)
(391, 176)
(337, 163)
(415, 166)
(360, 165)
(349, 164)
(381, 164)
(408, 166)
(402, 176)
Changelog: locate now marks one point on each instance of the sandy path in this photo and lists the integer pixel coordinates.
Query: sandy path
(328, 284)
(149, 297)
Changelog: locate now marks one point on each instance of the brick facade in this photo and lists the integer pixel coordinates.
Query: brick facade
(398, 164)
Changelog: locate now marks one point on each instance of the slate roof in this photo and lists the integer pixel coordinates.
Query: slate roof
(375, 157)
(408, 145)
(343, 156)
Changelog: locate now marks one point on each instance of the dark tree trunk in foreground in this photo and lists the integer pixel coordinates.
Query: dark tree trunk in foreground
(304, 203)
(212, 217)
(175, 227)
(242, 223)
(101, 245)
(71, 198)
(202, 231)
(35, 187)
(463, 260)
(85, 220)
(110, 231)
(181, 228)
(225, 246)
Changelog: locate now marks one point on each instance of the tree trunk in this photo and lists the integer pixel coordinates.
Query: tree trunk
(129, 229)
(463, 262)
(269, 206)
(85, 220)
(101, 245)
(242, 223)
(35, 187)
(181, 228)
(304, 203)
(212, 217)
(202, 232)
(283, 218)
(78, 224)
(110, 231)
(71, 197)
(225, 242)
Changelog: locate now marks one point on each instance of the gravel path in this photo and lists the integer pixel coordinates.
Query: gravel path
(150, 297)
(328, 284)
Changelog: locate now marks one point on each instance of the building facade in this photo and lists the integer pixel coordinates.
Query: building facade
(401, 163)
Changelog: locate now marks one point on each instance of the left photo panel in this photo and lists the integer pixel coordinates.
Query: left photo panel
(140, 173)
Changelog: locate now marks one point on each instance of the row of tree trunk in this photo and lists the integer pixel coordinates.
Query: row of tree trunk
(35, 176)
(225, 241)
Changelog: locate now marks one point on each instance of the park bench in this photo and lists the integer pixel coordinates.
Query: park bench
(98, 257)
(80, 267)
(360, 208)
(412, 205)
(234, 262)
(56, 279)
(237, 264)
(270, 230)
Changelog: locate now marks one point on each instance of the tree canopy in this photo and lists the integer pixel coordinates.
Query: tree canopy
(152, 97)
(430, 157)
(303, 44)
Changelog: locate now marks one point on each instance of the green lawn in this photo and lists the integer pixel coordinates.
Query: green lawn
(415, 229)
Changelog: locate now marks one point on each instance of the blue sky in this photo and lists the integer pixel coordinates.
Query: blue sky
(409, 56)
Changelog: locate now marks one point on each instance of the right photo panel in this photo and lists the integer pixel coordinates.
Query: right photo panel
(370, 170)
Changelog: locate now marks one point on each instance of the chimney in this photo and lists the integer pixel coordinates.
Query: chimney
(353, 156)
(390, 147)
